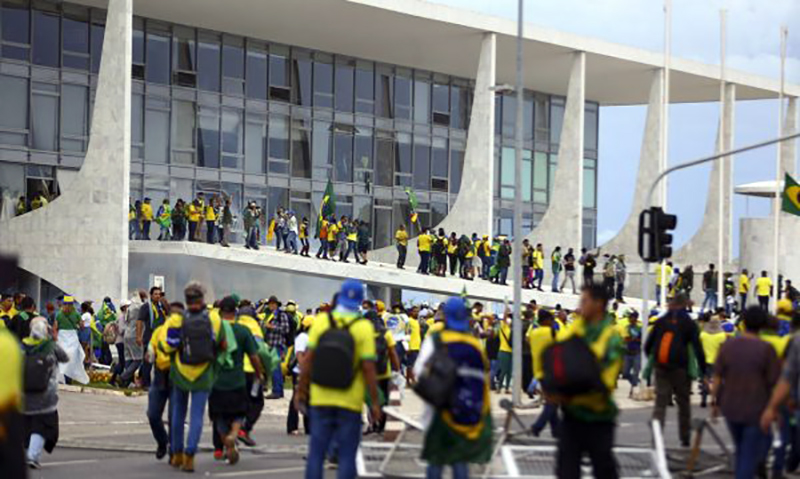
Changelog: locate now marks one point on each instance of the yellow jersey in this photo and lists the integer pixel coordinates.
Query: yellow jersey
(401, 236)
(539, 339)
(538, 259)
(505, 337)
(390, 344)
(744, 284)
(712, 344)
(414, 334)
(763, 286)
(147, 212)
(333, 230)
(424, 243)
(194, 213)
(211, 213)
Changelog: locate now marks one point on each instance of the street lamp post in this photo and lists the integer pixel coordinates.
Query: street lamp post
(517, 248)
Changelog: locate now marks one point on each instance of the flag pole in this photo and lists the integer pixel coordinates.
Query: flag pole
(776, 207)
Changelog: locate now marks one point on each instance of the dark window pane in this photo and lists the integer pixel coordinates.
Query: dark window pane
(301, 153)
(208, 65)
(384, 229)
(76, 35)
(185, 51)
(208, 138)
(402, 97)
(279, 137)
(278, 70)
(233, 61)
(322, 158)
(384, 166)
(438, 212)
(403, 160)
(256, 74)
(138, 43)
(15, 22)
(456, 168)
(439, 158)
(384, 94)
(44, 111)
(184, 119)
(45, 38)
(302, 79)
(14, 98)
(422, 101)
(344, 87)
(460, 105)
(343, 158)
(441, 98)
(156, 124)
(278, 198)
(255, 147)
(97, 33)
(422, 163)
(590, 127)
(323, 83)
(74, 111)
(158, 58)
(365, 90)
(527, 115)
(556, 120)
(509, 115)
(232, 137)
(363, 150)
(137, 119)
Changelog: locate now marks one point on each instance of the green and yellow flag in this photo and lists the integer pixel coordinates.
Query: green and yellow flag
(412, 202)
(328, 205)
(791, 196)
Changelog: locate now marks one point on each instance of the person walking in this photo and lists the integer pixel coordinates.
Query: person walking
(164, 220)
(254, 384)
(745, 372)
(152, 314)
(159, 392)
(300, 350)
(226, 220)
(278, 335)
(461, 432)
(764, 290)
(710, 282)
(303, 235)
(669, 343)
(133, 347)
(193, 340)
(556, 265)
(292, 230)
(324, 225)
(744, 289)
(505, 354)
(569, 271)
(632, 362)
(351, 240)
(712, 337)
(537, 263)
(424, 241)
(540, 337)
(333, 385)
(401, 242)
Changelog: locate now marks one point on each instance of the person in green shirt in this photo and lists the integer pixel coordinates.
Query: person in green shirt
(555, 261)
(227, 405)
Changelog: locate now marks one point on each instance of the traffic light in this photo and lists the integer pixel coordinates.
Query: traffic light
(655, 237)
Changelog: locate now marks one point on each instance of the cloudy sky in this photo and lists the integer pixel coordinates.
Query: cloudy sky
(753, 46)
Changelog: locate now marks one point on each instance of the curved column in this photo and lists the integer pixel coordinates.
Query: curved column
(627, 239)
(789, 148)
(79, 242)
(473, 208)
(701, 248)
(562, 224)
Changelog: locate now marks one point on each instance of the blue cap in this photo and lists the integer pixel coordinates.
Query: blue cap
(351, 295)
(455, 314)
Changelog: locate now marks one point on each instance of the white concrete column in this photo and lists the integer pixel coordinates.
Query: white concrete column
(789, 148)
(702, 247)
(79, 242)
(627, 239)
(562, 224)
(472, 212)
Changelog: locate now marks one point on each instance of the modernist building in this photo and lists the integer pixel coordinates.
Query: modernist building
(266, 101)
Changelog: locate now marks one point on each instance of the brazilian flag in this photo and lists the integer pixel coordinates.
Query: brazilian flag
(412, 203)
(791, 196)
(328, 205)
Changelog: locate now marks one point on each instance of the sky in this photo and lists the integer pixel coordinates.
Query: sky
(753, 46)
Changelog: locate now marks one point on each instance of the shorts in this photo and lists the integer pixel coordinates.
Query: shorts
(231, 404)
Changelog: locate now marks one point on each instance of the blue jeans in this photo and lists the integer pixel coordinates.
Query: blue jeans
(786, 432)
(351, 246)
(333, 425)
(157, 399)
(538, 276)
(555, 281)
(494, 371)
(180, 402)
(549, 416)
(291, 242)
(424, 257)
(460, 471)
(163, 235)
(277, 377)
(323, 249)
(710, 299)
(133, 230)
(658, 295)
(486, 266)
(279, 237)
(751, 446)
(631, 365)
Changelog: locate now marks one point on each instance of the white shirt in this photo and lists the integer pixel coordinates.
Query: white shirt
(300, 346)
(86, 320)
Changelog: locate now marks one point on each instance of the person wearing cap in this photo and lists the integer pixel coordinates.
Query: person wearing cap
(255, 401)
(300, 350)
(277, 332)
(669, 342)
(461, 433)
(336, 413)
(227, 405)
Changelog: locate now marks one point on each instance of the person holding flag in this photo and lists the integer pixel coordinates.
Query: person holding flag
(326, 210)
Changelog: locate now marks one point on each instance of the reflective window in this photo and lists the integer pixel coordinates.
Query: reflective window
(589, 187)
(156, 131)
(278, 198)
(441, 104)
(422, 101)
(232, 138)
(208, 66)
(301, 66)
(185, 54)
(365, 87)
(138, 41)
(363, 155)
(278, 137)
(256, 71)
(96, 34)
(279, 73)
(556, 120)
(527, 176)
(15, 28)
(402, 94)
(14, 98)
(509, 115)
(590, 127)
(75, 41)
(44, 124)
(208, 137)
(255, 144)
(46, 28)
(233, 65)
(507, 173)
(422, 162)
(74, 117)
(541, 122)
(157, 55)
(384, 166)
(384, 229)
(344, 85)
(343, 157)
(321, 150)
(384, 93)
(527, 117)
(403, 160)
(456, 165)
(460, 105)
(184, 122)
(323, 81)
(301, 149)
(137, 126)
(439, 158)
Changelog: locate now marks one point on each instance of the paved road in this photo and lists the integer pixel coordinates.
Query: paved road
(108, 436)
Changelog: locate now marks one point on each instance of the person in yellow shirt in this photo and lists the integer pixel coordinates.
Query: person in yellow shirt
(391, 360)
(401, 241)
(194, 211)
(452, 253)
(12, 422)
(147, 218)
(537, 263)
(764, 290)
(662, 280)
(711, 337)
(211, 220)
(7, 310)
(335, 411)
(333, 236)
(160, 389)
(539, 339)
(744, 288)
(504, 356)
(414, 333)
(424, 246)
(303, 235)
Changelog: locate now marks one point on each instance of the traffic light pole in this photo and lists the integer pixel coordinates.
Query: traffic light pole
(645, 315)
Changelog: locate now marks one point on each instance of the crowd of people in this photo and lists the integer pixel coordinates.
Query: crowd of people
(231, 355)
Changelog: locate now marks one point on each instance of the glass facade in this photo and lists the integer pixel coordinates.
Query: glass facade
(261, 121)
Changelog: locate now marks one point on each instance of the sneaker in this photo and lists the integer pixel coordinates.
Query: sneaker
(34, 464)
(245, 438)
(161, 451)
(218, 455)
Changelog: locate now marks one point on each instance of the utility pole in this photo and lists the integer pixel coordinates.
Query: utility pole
(517, 248)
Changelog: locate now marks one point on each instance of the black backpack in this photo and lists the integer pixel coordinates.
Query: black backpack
(198, 345)
(571, 368)
(381, 346)
(436, 383)
(334, 357)
(38, 368)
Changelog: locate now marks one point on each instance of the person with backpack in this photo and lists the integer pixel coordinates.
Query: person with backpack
(227, 404)
(674, 344)
(453, 374)
(340, 371)
(20, 324)
(580, 373)
(279, 332)
(193, 340)
(42, 356)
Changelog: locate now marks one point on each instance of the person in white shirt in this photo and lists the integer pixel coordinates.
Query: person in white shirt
(300, 349)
